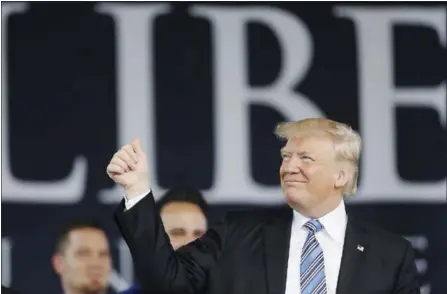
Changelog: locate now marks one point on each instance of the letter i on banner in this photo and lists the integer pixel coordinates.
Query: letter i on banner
(135, 105)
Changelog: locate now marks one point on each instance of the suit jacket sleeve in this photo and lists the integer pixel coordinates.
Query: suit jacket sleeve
(407, 279)
(158, 267)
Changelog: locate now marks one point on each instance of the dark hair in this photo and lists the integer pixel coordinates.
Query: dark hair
(189, 195)
(74, 225)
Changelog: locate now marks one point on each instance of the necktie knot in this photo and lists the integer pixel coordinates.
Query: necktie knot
(313, 226)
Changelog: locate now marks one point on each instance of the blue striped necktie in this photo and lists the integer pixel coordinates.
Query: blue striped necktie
(312, 277)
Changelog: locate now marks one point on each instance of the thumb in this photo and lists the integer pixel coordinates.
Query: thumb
(136, 145)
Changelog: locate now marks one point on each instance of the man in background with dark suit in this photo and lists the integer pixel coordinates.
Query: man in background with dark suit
(313, 246)
(82, 259)
(183, 212)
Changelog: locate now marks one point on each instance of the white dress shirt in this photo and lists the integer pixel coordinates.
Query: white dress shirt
(331, 239)
(128, 203)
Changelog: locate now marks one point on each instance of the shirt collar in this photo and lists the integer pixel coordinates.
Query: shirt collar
(334, 223)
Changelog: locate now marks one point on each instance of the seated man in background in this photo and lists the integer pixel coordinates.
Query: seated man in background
(82, 259)
(183, 212)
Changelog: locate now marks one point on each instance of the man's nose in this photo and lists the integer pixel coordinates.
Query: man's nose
(293, 165)
(96, 260)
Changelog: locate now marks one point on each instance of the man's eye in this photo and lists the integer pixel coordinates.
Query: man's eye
(83, 253)
(177, 232)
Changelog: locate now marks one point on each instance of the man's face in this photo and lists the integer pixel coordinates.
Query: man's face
(308, 170)
(184, 222)
(85, 264)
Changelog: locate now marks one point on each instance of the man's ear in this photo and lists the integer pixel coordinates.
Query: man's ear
(57, 262)
(342, 178)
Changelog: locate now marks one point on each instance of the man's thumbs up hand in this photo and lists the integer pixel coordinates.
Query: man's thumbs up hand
(128, 168)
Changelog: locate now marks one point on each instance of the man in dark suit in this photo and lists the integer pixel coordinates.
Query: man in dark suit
(311, 247)
(183, 212)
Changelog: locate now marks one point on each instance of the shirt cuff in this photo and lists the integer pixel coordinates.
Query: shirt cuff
(129, 203)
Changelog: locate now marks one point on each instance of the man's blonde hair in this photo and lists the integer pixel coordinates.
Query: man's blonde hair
(347, 142)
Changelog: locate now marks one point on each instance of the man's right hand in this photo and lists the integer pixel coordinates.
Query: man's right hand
(128, 168)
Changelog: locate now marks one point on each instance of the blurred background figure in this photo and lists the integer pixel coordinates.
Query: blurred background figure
(82, 259)
(183, 212)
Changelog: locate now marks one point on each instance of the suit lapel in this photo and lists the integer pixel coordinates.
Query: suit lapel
(277, 241)
(354, 250)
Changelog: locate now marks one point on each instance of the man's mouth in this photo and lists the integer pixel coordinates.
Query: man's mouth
(95, 276)
(293, 180)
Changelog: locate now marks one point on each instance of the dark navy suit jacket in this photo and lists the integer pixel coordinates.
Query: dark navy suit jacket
(134, 289)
